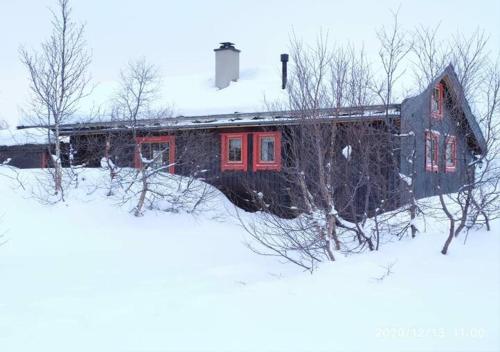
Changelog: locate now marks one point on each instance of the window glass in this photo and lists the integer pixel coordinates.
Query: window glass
(449, 157)
(434, 151)
(450, 153)
(429, 149)
(267, 149)
(234, 149)
(157, 153)
(435, 100)
(165, 151)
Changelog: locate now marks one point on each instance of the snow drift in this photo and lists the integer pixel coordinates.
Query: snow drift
(86, 275)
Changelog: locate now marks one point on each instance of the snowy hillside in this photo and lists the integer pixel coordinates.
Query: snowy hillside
(86, 275)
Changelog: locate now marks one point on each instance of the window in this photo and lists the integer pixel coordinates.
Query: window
(431, 151)
(234, 151)
(267, 151)
(451, 154)
(437, 101)
(159, 151)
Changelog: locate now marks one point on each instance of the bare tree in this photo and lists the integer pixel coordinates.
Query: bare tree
(469, 56)
(138, 92)
(330, 176)
(431, 55)
(152, 179)
(58, 79)
(486, 194)
(155, 184)
(475, 203)
(394, 47)
(311, 146)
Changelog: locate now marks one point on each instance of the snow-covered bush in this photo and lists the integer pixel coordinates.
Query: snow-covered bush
(160, 190)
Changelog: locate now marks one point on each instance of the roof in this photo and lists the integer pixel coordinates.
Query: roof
(196, 94)
(272, 118)
(33, 136)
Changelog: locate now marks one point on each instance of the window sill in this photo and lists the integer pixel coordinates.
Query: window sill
(274, 166)
(233, 167)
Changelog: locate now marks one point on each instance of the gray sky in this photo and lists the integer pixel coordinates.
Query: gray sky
(178, 36)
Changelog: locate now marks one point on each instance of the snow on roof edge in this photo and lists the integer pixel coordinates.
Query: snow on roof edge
(34, 136)
(231, 120)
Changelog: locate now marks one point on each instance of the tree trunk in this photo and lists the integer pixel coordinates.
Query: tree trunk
(486, 221)
(413, 215)
(451, 234)
(57, 165)
(332, 231)
(142, 197)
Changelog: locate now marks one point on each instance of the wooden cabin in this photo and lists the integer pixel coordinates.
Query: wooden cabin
(432, 135)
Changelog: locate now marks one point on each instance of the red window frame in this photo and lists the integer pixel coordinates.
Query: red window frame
(433, 164)
(155, 139)
(451, 142)
(439, 113)
(241, 165)
(259, 164)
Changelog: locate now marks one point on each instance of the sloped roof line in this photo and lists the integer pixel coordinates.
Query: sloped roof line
(236, 119)
(450, 74)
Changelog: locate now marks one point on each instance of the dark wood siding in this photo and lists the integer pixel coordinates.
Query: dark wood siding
(24, 156)
(200, 151)
(416, 118)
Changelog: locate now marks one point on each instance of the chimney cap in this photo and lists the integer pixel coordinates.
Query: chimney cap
(227, 46)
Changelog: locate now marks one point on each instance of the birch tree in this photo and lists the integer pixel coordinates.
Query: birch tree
(58, 80)
(135, 100)
(137, 104)
(324, 85)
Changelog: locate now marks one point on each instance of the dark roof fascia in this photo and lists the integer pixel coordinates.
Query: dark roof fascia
(273, 118)
(208, 126)
(27, 146)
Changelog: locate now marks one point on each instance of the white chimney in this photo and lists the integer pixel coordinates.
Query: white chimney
(227, 65)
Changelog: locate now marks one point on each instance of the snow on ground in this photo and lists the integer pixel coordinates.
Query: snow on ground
(86, 275)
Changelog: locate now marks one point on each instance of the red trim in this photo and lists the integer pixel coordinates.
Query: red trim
(432, 165)
(241, 165)
(267, 165)
(155, 139)
(439, 113)
(451, 142)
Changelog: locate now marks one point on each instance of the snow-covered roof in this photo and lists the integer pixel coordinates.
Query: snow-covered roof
(197, 103)
(11, 137)
(197, 94)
